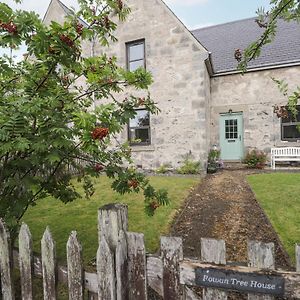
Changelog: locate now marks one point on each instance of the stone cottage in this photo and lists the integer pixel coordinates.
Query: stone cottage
(204, 100)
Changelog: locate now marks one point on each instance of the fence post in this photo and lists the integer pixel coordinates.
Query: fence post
(5, 264)
(75, 267)
(112, 219)
(122, 267)
(25, 261)
(298, 258)
(48, 266)
(213, 251)
(172, 254)
(137, 269)
(261, 256)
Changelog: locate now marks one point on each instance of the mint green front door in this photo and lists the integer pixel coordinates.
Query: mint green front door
(232, 136)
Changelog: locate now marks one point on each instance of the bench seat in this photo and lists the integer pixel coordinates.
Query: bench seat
(284, 154)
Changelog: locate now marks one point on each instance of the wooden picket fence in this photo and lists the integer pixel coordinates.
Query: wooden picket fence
(124, 270)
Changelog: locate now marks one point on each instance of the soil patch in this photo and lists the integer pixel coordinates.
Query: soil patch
(224, 207)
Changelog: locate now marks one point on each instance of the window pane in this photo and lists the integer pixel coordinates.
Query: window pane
(135, 65)
(291, 132)
(136, 52)
(142, 135)
(141, 119)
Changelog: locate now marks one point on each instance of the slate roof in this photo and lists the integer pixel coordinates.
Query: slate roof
(222, 40)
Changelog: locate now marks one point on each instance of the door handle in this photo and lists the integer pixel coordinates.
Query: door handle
(240, 137)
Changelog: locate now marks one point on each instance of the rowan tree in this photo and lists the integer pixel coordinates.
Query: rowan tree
(47, 120)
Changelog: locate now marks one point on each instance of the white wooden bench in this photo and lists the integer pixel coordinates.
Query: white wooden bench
(284, 154)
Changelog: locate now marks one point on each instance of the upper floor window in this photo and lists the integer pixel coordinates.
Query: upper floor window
(139, 128)
(290, 126)
(135, 55)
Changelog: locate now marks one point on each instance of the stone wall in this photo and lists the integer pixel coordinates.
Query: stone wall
(254, 94)
(181, 88)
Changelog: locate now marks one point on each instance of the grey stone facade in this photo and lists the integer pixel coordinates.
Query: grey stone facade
(181, 89)
(254, 94)
(190, 97)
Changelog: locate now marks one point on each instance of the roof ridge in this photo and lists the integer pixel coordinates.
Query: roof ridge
(70, 11)
(65, 7)
(222, 24)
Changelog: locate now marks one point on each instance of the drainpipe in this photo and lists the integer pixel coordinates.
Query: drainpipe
(209, 65)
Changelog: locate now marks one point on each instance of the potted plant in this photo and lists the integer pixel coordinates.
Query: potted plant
(213, 161)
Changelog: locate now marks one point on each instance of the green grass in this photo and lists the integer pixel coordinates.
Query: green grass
(81, 215)
(279, 195)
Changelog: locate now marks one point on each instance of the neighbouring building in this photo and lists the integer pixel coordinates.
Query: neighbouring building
(204, 100)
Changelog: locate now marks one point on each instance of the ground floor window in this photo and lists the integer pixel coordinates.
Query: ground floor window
(139, 128)
(290, 126)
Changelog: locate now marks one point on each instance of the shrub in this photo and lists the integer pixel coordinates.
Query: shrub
(163, 169)
(189, 166)
(255, 159)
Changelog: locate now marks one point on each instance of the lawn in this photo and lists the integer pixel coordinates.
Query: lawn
(81, 215)
(279, 195)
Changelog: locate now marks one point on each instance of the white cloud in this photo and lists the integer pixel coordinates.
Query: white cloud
(185, 2)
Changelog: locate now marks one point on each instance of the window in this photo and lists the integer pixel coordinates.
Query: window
(231, 129)
(139, 128)
(135, 55)
(289, 127)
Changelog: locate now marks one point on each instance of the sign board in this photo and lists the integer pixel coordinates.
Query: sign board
(239, 281)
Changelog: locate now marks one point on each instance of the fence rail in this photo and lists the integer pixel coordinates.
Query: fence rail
(124, 270)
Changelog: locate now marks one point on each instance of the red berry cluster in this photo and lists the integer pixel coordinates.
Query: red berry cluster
(141, 101)
(261, 24)
(64, 38)
(79, 28)
(133, 183)
(105, 22)
(100, 133)
(9, 27)
(99, 167)
(154, 205)
(281, 111)
(120, 4)
(238, 55)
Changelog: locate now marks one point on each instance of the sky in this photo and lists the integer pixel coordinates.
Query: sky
(193, 13)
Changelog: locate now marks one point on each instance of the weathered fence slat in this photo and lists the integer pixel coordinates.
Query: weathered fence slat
(155, 273)
(189, 294)
(106, 272)
(111, 219)
(261, 256)
(298, 258)
(122, 267)
(172, 254)
(75, 268)
(5, 264)
(48, 265)
(213, 251)
(137, 273)
(25, 261)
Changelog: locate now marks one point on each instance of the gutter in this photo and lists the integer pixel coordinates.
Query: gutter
(257, 69)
